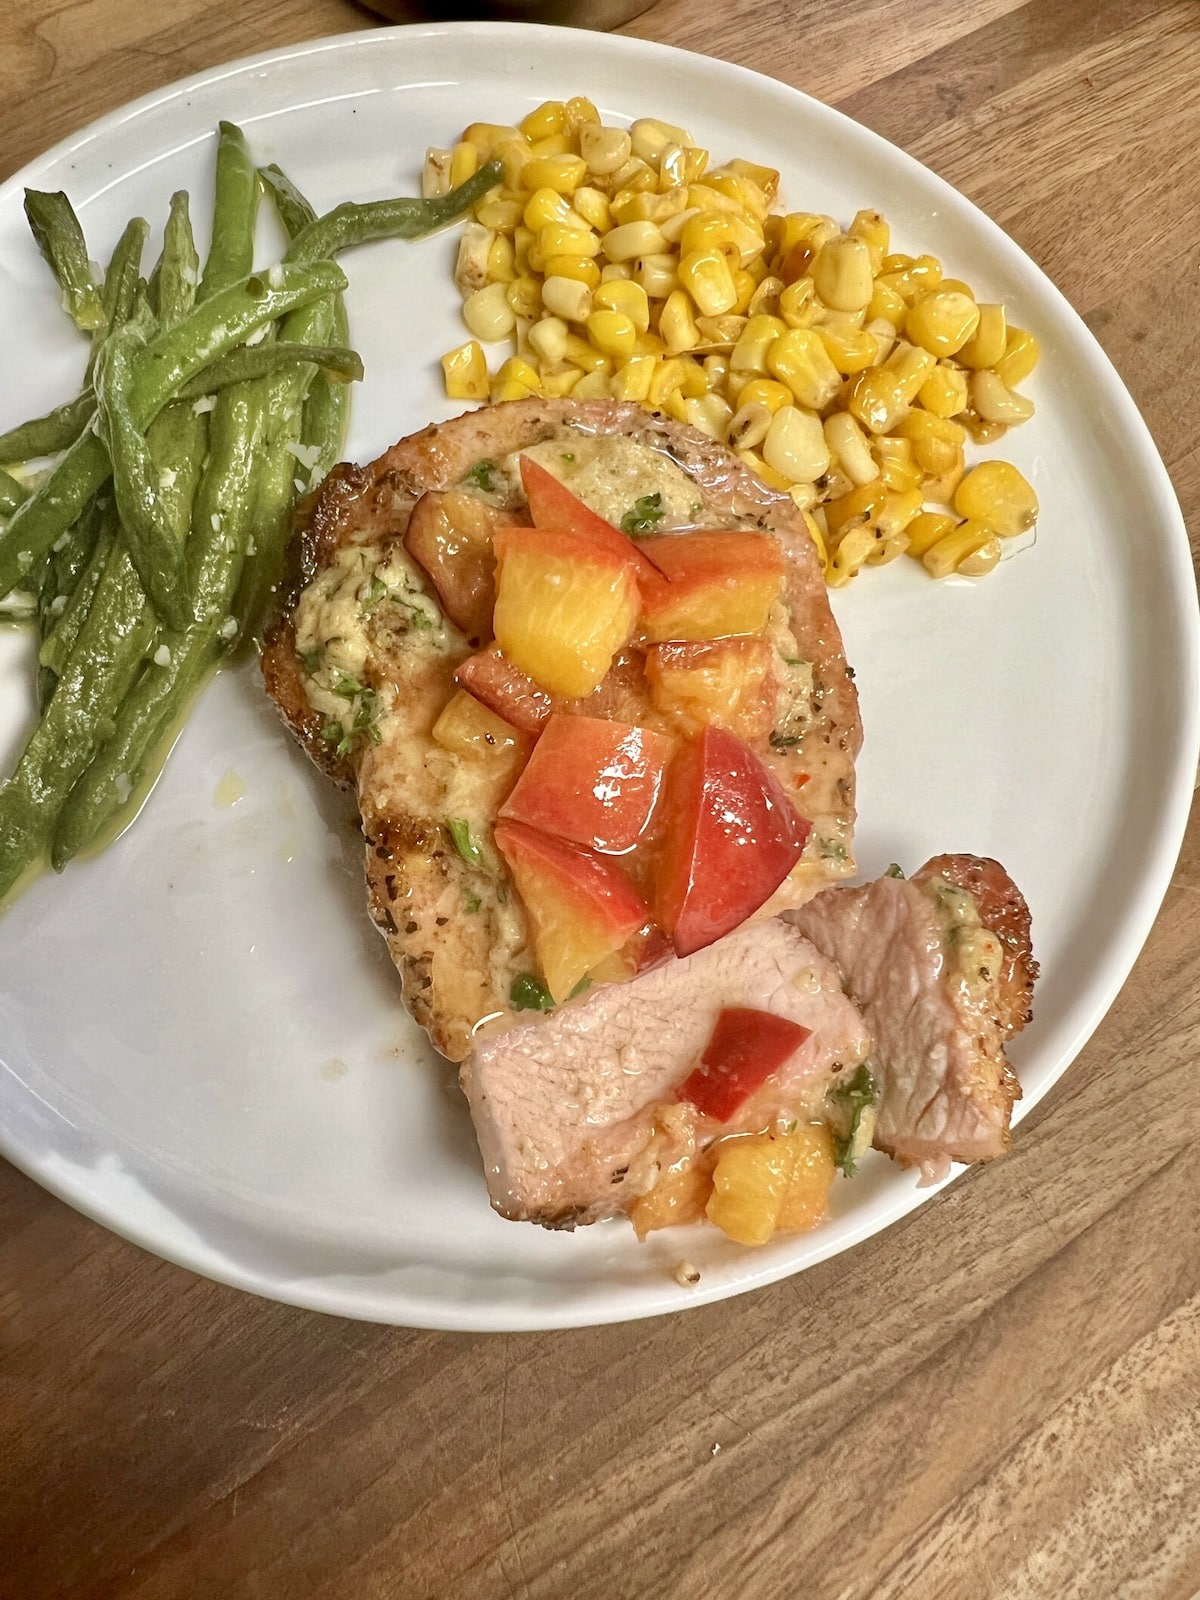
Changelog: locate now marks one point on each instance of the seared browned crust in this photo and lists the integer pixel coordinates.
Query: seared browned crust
(1003, 911)
(417, 883)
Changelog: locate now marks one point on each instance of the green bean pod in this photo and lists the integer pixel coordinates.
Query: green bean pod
(231, 251)
(59, 237)
(51, 434)
(251, 362)
(12, 493)
(177, 273)
(352, 224)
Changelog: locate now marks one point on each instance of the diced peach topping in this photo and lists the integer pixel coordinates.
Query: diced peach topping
(564, 606)
(450, 534)
(713, 584)
(725, 683)
(767, 1183)
(583, 909)
(468, 728)
(679, 1196)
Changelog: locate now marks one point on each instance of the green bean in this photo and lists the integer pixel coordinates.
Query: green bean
(295, 212)
(165, 364)
(48, 435)
(250, 362)
(69, 581)
(178, 270)
(222, 523)
(121, 284)
(351, 224)
(12, 493)
(156, 554)
(59, 237)
(231, 252)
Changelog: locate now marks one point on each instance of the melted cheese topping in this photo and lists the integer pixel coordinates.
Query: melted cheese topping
(611, 474)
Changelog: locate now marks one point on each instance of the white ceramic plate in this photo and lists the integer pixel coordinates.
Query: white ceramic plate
(201, 1037)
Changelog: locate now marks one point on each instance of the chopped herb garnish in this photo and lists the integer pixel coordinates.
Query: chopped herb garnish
(460, 832)
(894, 871)
(341, 735)
(645, 513)
(346, 686)
(376, 590)
(831, 849)
(793, 661)
(568, 456)
(311, 660)
(530, 994)
(857, 1096)
(471, 904)
(482, 476)
(785, 741)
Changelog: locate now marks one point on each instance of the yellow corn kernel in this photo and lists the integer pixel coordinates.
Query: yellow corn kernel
(765, 391)
(996, 403)
(675, 405)
(749, 423)
(488, 314)
(900, 507)
(873, 230)
(981, 560)
(765, 178)
(957, 286)
(765, 300)
(612, 271)
(987, 345)
(582, 354)
(898, 468)
(557, 240)
(500, 214)
(435, 174)
(509, 389)
(887, 548)
(592, 205)
(561, 174)
(681, 164)
(957, 546)
(716, 369)
(523, 240)
(841, 274)
(605, 150)
(554, 144)
(817, 534)
(980, 431)
(944, 392)
(860, 506)
(582, 268)
(632, 239)
(710, 414)
(876, 399)
(560, 382)
(763, 469)
(996, 493)
(911, 275)
(1021, 352)
(549, 118)
(517, 370)
(941, 321)
(757, 337)
(630, 299)
(741, 191)
(465, 372)
(524, 295)
(920, 426)
(744, 283)
(593, 386)
(632, 205)
(794, 445)
(650, 137)
(799, 359)
(910, 366)
(720, 333)
(853, 550)
(579, 112)
(926, 528)
(543, 207)
(850, 349)
(649, 344)
(710, 230)
(464, 162)
(705, 274)
(501, 266)
(633, 177)
(885, 305)
(515, 154)
(567, 298)
(940, 487)
(613, 333)
(486, 136)
(677, 323)
(547, 338)
(657, 274)
(632, 381)
(679, 374)
(797, 303)
(849, 448)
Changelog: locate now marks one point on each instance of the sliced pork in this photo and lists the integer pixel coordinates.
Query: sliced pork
(576, 1112)
(940, 966)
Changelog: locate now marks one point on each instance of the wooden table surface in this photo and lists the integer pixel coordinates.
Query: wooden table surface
(1000, 1397)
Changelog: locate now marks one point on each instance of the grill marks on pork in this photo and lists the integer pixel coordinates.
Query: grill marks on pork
(575, 1112)
(942, 990)
(454, 968)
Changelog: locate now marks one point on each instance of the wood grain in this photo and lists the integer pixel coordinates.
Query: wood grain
(1000, 1397)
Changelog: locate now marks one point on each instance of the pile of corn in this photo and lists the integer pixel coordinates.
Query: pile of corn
(621, 266)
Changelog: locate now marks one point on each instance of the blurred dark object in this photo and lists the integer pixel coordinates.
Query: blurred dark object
(598, 14)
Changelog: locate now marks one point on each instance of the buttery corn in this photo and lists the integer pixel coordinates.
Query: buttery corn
(619, 263)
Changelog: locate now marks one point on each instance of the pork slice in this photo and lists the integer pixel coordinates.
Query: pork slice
(575, 1112)
(941, 967)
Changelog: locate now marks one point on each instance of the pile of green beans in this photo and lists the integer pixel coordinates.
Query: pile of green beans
(152, 543)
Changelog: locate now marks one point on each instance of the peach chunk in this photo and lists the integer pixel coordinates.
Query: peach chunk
(449, 534)
(726, 683)
(713, 584)
(564, 606)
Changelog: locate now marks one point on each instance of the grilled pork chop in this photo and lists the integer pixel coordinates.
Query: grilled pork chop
(364, 658)
(941, 967)
(576, 1113)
